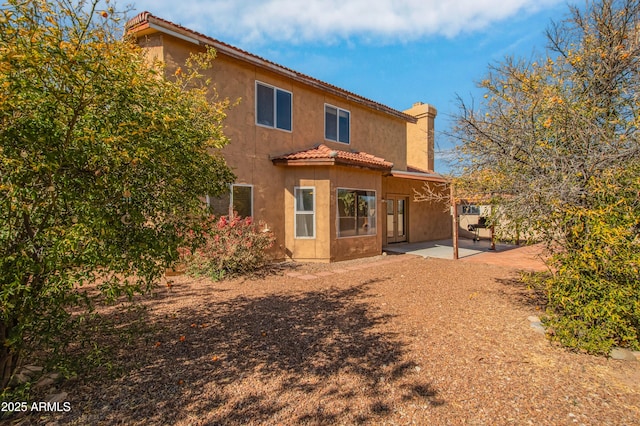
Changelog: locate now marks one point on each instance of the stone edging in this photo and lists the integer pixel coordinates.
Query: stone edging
(616, 353)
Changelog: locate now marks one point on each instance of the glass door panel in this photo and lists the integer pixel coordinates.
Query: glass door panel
(400, 221)
(396, 219)
(390, 220)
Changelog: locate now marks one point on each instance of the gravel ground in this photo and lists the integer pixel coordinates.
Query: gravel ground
(392, 340)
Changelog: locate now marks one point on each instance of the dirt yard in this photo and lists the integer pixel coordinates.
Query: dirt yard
(394, 340)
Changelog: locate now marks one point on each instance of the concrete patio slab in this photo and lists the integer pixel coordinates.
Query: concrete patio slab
(511, 255)
(443, 249)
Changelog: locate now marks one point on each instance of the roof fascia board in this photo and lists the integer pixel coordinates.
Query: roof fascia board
(326, 162)
(305, 162)
(164, 27)
(418, 176)
(173, 33)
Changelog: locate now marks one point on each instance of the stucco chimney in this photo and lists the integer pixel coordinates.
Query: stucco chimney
(420, 136)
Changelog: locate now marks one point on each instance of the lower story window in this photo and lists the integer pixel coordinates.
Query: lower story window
(242, 200)
(356, 212)
(238, 202)
(305, 212)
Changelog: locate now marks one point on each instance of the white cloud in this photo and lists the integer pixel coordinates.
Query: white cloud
(328, 20)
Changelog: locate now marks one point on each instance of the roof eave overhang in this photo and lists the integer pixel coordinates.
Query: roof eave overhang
(304, 162)
(329, 162)
(151, 24)
(428, 177)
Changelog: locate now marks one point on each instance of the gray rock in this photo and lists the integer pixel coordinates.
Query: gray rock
(623, 354)
(538, 327)
(44, 382)
(31, 370)
(533, 318)
(20, 379)
(47, 380)
(26, 374)
(58, 397)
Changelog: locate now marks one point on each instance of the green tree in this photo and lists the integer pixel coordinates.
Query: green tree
(555, 142)
(102, 163)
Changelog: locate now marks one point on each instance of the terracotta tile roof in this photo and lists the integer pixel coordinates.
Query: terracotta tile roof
(145, 22)
(323, 155)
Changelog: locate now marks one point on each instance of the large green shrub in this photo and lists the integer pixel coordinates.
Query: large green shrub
(554, 144)
(102, 163)
(594, 294)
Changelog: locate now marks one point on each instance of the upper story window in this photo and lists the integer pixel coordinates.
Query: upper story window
(273, 107)
(336, 124)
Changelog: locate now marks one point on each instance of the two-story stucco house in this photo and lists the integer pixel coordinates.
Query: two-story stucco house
(331, 173)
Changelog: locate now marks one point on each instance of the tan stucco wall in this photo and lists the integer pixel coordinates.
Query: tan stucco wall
(421, 136)
(252, 147)
(371, 131)
(326, 180)
(153, 47)
(316, 249)
(428, 221)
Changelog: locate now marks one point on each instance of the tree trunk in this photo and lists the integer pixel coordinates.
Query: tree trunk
(8, 356)
(454, 213)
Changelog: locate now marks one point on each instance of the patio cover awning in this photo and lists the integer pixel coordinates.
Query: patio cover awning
(418, 175)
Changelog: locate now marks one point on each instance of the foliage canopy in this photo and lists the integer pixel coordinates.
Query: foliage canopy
(554, 143)
(102, 163)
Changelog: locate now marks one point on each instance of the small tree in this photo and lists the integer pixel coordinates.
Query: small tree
(558, 140)
(102, 161)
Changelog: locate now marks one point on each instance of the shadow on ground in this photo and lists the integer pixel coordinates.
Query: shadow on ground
(255, 359)
(524, 294)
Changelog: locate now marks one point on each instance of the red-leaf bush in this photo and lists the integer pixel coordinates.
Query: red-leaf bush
(228, 248)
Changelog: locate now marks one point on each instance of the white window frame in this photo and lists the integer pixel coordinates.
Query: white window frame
(375, 194)
(338, 109)
(303, 212)
(275, 106)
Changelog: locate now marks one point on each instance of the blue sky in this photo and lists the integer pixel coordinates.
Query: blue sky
(395, 52)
